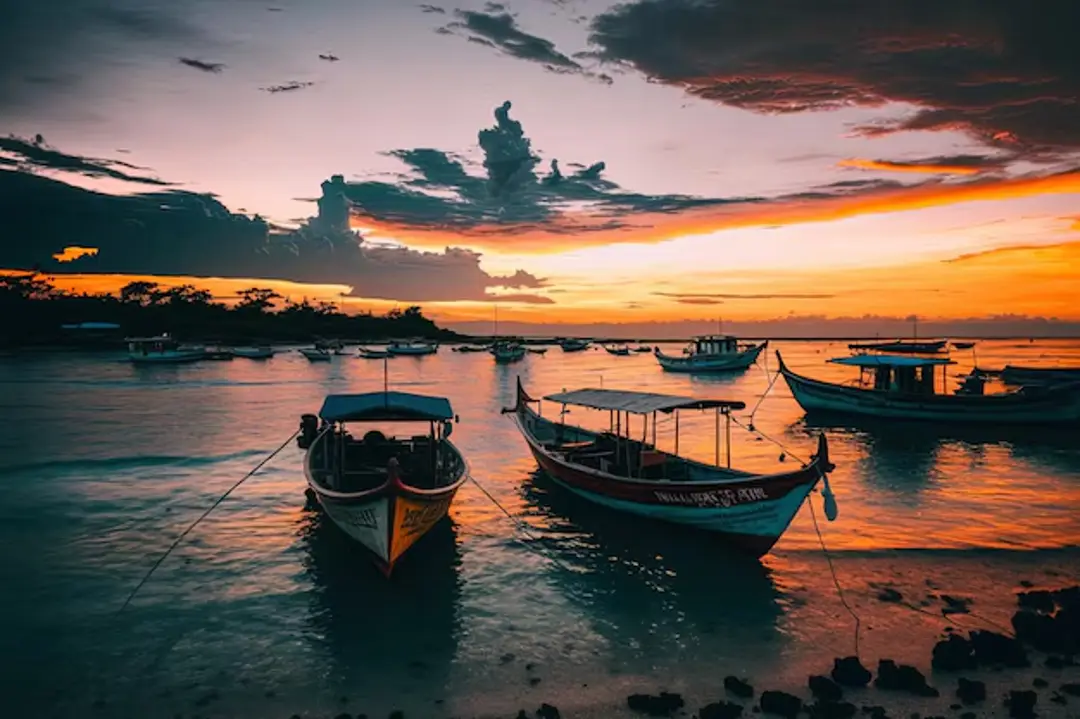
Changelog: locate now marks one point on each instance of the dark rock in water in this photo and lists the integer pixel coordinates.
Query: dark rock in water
(955, 605)
(1058, 699)
(831, 710)
(970, 691)
(533, 681)
(397, 714)
(522, 714)
(888, 594)
(547, 711)
(1071, 689)
(991, 648)
(1039, 683)
(825, 689)
(664, 704)
(781, 704)
(739, 687)
(720, 710)
(953, 654)
(1058, 633)
(1038, 600)
(875, 712)
(850, 672)
(507, 658)
(1021, 703)
(1054, 662)
(904, 678)
(956, 707)
(967, 715)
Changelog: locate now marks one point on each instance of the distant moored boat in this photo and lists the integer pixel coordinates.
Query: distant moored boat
(712, 353)
(162, 349)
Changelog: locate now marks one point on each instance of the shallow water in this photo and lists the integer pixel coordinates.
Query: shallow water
(265, 609)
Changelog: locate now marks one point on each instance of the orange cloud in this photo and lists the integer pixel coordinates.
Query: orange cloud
(920, 167)
(74, 252)
(575, 230)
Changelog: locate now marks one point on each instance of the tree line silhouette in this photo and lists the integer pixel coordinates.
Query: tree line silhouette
(34, 312)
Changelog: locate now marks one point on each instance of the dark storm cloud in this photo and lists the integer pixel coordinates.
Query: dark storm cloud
(174, 232)
(48, 47)
(35, 154)
(1005, 71)
(498, 29)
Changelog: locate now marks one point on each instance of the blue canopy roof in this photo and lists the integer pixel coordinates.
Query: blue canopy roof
(890, 361)
(374, 406)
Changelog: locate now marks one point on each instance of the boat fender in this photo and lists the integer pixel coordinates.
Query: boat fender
(309, 429)
(831, 510)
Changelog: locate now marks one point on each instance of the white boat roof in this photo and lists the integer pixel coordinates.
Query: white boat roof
(637, 402)
(395, 406)
(890, 361)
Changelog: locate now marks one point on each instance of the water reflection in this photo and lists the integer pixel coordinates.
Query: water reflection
(378, 632)
(659, 588)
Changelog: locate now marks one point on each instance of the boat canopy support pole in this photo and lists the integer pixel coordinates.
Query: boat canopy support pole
(716, 444)
(727, 431)
(676, 432)
(654, 430)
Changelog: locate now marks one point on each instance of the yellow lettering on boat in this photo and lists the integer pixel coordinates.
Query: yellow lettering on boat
(412, 520)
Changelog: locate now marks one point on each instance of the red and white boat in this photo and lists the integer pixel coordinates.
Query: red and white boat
(609, 468)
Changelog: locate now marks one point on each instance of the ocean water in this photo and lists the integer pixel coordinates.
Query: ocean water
(266, 610)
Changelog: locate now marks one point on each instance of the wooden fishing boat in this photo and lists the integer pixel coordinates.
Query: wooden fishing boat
(316, 354)
(472, 348)
(219, 354)
(384, 492)
(537, 350)
(573, 344)
(964, 345)
(618, 350)
(262, 352)
(162, 349)
(904, 387)
(412, 349)
(368, 353)
(506, 352)
(902, 346)
(643, 348)
(633, 475)
(1028, 376)
(712, 353)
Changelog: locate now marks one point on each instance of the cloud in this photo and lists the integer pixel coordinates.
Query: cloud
(290, 86)
(51, 48)
(993, 68)
(698, 301)
(497, 28)
(214, 67)
(506, 203)
(743, 296)
(432, 9)
(58, 227)
(36, 154)
(942, 164)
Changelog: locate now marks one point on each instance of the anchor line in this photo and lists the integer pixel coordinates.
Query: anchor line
(522, 527)
(203, 516)
(835, 579)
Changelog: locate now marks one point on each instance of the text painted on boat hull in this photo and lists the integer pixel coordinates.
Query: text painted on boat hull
(714, 498)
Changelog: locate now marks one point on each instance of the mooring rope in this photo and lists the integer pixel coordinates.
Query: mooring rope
(523, 527)
(203, 516)
(835, 579)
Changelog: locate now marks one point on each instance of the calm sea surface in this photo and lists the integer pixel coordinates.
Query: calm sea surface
(264, 610)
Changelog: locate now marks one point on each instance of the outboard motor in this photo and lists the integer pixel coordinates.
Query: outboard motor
(309, 430)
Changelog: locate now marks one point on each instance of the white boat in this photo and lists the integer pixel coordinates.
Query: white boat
(712, 353)
(506, 352)
(414, 349)
(368, 353)
(162, 349)
(384, 492)
(316, 354)
(262, 352)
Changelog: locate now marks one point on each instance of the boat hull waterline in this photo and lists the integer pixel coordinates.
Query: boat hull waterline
(751, 512)
(1027, 406)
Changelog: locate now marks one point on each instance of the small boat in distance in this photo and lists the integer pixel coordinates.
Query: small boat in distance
(385, 492)
(609, 468)
(712, 353)
(573, 344)
(963, 345)
(472, 348)
(618, 350)
(1028, 376)
(162, 349)
(903, 346)
(219, 354)
(537, 350)
(261, 352)
(643, 348)
(316, 354)
(903, 387)
(412, 349)
(368, 353)
(506, 351)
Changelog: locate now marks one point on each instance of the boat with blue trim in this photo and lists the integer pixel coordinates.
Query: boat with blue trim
(906, 387)
(614, 470)
(384, 491)
(712, 353)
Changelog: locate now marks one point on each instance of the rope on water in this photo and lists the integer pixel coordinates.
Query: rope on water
(778, 443)
(203, 516)
(764, 394)
(836, 580)
(951, 618)
(523, 527)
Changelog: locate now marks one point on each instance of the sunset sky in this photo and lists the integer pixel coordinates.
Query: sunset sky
(759, 159)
